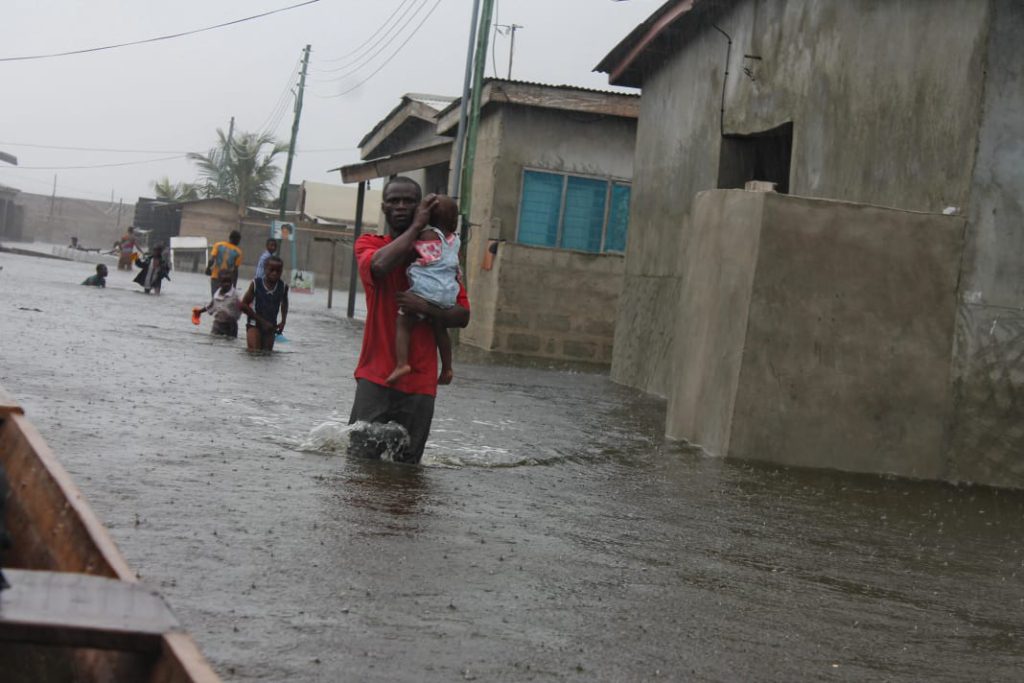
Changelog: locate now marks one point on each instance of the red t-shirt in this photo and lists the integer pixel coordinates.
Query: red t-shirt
(377, 358)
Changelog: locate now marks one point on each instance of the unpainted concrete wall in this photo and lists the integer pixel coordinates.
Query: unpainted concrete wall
(831, 343)
(521, 305)
(885, 101)
(554, 303)
(988, 440)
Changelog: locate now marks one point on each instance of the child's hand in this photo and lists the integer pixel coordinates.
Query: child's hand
(280, 328)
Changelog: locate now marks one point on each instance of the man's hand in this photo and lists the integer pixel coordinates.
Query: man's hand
(413, 304)
(423, 211)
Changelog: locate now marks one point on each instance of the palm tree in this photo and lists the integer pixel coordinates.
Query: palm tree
(240, 170)
(174, 192)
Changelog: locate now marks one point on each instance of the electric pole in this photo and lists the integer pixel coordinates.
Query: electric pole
(295, 132)
(480, 66)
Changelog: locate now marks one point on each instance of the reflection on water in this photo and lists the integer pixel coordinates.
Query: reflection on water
(551, 534)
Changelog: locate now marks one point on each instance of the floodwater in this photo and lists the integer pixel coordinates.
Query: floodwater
(551, 534)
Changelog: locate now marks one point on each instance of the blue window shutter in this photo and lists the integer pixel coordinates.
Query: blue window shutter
(539, 208)
(584, 214)
(618, 219)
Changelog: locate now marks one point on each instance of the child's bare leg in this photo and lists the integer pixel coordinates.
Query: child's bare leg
(444, 346)
(403, 332)
(252, 339)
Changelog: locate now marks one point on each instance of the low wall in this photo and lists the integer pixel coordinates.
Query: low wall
(547, 303)
(817, 333)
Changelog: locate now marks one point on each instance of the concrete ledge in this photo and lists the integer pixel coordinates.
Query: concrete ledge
(817, 333)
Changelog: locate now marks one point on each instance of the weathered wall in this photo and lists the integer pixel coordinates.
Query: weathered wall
(96, 224)
(833, 336)
(520, 306)
(710, 328)
(884, 98)
(554, 303)
(988, 439)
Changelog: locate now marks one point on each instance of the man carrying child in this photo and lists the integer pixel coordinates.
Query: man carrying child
(382, 261)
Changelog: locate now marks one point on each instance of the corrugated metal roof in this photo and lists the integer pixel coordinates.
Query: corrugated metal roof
(574, 88)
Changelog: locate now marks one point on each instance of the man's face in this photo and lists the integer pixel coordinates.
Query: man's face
(272, 246)
(400, 200)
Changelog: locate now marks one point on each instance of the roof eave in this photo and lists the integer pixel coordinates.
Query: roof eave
(623, 62)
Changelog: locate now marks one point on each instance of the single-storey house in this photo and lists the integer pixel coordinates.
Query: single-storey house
(867, 315)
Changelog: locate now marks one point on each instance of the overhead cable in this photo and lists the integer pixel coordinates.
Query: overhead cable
(95, 149)
(366, 62)
(157, 38)
(372, 36)
(388, 60)
(390, 36)
(123, 163)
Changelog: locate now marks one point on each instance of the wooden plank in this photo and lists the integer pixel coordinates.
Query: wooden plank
(181, 662)
(397, 163)
(51, 525)
(8, 405)
(77, 610)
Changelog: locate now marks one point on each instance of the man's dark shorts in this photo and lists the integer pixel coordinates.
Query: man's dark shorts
(375, 403)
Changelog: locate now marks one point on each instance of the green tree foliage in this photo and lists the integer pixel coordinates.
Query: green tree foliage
(241, 170)
(175, 192)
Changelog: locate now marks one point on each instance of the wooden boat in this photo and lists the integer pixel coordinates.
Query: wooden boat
(75, 611)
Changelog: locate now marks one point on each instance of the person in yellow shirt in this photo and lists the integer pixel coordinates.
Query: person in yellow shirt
(224, 256)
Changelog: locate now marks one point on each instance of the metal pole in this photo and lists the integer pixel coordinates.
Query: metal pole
(330, 280)
(455, 182)
(512, 47)
(480, 66)
(360, 198)
(295, 132)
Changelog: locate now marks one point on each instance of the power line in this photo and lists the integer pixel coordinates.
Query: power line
(390, 35)
(388, 60)
(95, 149)
(273, 119)
(157, 38)
(123, 163)
(372, 36)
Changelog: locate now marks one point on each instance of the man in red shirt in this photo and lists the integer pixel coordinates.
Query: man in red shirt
(382, 260)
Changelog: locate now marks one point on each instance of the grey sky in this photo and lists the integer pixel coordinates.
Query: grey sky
(173, 95)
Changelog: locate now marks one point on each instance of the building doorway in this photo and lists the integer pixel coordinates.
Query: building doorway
(762, 156)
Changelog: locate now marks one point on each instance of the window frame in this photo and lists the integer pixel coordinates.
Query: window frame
(609, 181)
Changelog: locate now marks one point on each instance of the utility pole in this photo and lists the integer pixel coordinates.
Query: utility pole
(53, 197)
(480, 67)
(455, 183)
(295, 132)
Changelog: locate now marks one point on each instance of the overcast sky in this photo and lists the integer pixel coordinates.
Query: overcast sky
(168, 98)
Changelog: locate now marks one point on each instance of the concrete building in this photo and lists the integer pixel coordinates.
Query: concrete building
(917, 106)
(549, 216)
(56, 219)
(550, 201)
(10, 215)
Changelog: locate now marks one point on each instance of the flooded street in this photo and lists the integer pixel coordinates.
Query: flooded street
(551, 534)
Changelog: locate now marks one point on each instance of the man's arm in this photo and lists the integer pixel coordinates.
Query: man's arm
(399, 250)
(209, 264)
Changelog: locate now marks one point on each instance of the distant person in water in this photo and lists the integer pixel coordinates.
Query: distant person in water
(225, 307)
(224, 256)
(124, 248)
(155, 269)
(99, 279)
(434, 277)
(263, 301)
(262, 263)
